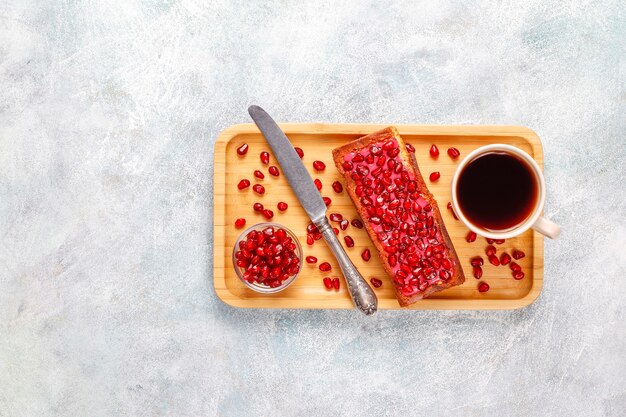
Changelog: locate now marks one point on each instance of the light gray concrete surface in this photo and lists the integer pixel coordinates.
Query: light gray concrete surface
(108, 114)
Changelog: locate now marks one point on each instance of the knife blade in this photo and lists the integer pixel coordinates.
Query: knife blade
(302, 184)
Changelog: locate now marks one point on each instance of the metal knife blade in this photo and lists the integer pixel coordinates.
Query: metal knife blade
(293, 168)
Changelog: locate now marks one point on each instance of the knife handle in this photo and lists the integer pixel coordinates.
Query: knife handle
(363, 296)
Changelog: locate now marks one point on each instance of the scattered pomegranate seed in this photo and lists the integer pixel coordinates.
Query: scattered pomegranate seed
(299, 151)
(337, 187)
(478, 272)
(476, 261)
(243, 149)
(311, 259)
(282, 206)
(454, 153)
(335, 217)
(505, 258)
(471, 237)
(434, 176)
(410, 148)
(452, 210)
(518, 254)
(434, 151)
(490, 241)
(319, 165)
(258, 174)
(258, 207)
(349, 241)
(376, 282)
(493, 260)
(309, 240)
(268, 214)
(327, 201)
(265, 157)
(357, 223)
(483, 287)
(343, 225)
(490, 251)
(336, 231)
(240, 222)
(366, 255)
(518, 275)
(325, 267)
(243, 184)
(258, 188)
(499, 241)
(336, 283)
(318, 184)
(515, 267)
(328, 283)
(273, 170)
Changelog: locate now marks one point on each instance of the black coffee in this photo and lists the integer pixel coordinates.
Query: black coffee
(497, 191)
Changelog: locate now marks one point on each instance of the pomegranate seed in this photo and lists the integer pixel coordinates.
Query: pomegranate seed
(376, 282)
(325, 267)
(336, 231)
(273, 170)
(357, 223)
(336, 283)
(309, 240)
(452, 210)
(349, 241)
(499, 241)
(240, 222)
(347, 166)
(490, 251)
(335, 217)
(490, 241)
(299, 151)
(311, 259)
(337, 187)
(518, 275)
(471, 237)
(515, 267)
(328, 283)
(410, 148)
(478, 272)
(243, 149)
(518, 254)
(454, 153)
(434, 176)
(258, 207)
(258, 174)
(268, 214)
(476, 261)
(318, 184)
(483, 287)
(319, 165)
(366, 255)
(343, 225)
(505, 258)
(282, 206)
(434, 151)
(493, 260)
(243, 184)
(327, 201)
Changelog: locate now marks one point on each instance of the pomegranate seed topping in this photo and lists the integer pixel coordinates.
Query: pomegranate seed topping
(454, 153)
(452, 210)
(471, 237)
(325, 267)
(490, 241)
(243, 149)
(434, 151)
(265, 157)
(268, 214)
(518, 275)
(357, 223)
(299, 151)
(483, 287)
(319, 165)
(273, 170)
(476, 261)
(336, 283)
(410, 148)
(318, 184)
(376, 282)
(478, 272)
(335, 217)
(343, 225)
(337, 187)
(258, 207)
(282, 206)
(490, 251)
(366, 255)
(327, 201)
(499, 241)
(518, 254)
(505, 258)
(243, 184)
(328, 283)
(493, 260)
(349, 241)
(311, 259)
(434, 176)
(258, 188)
(347, 166)
(240, 222)
(309, 240)
(258, 174)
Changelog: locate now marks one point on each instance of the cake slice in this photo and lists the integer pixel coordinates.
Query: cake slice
(400, 214)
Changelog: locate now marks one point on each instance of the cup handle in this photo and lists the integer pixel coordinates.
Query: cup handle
(547, 228)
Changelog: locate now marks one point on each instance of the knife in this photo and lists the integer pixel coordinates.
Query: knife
(298, 177)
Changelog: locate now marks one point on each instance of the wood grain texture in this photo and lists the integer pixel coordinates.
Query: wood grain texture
(317, 141)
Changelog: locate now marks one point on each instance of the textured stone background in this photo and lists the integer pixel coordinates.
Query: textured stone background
(108, 113)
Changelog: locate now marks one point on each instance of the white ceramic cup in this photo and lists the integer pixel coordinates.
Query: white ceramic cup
(534, 221)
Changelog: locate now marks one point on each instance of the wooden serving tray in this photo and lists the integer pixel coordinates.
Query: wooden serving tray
(317, 141)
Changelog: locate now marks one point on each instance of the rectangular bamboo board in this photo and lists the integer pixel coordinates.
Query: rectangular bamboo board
(317, 141)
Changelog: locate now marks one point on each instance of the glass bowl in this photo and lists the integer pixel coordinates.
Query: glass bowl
(263, 288)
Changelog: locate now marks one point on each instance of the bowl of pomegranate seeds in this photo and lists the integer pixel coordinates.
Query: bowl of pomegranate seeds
(267, 257)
